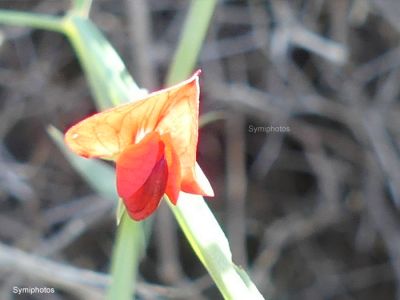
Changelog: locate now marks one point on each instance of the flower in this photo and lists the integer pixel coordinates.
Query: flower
(153, 142)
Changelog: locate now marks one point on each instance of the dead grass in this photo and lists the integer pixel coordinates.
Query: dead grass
(311, 211)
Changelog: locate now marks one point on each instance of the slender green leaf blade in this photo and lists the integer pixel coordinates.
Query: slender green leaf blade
(34, 20)
(128, 250)
(81, 7)
(211, 246)
(192, 38)
(108, 77)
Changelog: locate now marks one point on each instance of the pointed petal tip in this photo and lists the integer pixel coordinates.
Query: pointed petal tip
(203, 182)
(198, 185)
(69, 139)
(197, 73)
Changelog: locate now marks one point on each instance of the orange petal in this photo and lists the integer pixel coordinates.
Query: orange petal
(173, 110)
(146, 200)
(181, 122)
(198, 184)
(174, 173)
(136, 164)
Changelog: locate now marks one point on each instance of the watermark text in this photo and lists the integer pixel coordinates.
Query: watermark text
(32, 290)
(268, 129)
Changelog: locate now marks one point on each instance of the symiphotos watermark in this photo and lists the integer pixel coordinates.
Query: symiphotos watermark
(32, 290)
(268, 129)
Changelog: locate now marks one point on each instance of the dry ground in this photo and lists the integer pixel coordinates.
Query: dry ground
(311, 208)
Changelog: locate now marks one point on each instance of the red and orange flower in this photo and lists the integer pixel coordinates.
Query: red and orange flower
(153, 142)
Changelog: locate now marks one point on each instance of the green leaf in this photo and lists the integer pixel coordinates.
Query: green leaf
(81, 7)
(127, 252)
(211, 246)
(194, 32)
(39, 21)
(120, 210)
(108, 77)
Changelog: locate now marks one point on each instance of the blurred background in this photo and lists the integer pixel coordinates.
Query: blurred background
(300, 138)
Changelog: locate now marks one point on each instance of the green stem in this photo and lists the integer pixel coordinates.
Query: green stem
(109, 80)
(212, 248)
(126, 255)
(39, 21)
(81, 7)
(194, 32)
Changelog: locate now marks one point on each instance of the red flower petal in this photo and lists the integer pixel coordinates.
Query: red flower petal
(146, 200)
(136, 164)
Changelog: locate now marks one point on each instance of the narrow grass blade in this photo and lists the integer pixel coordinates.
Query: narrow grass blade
(194, 32)
(127, 252)
(211, 246)
(108, 77)
(81, 7)
(38, 21)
